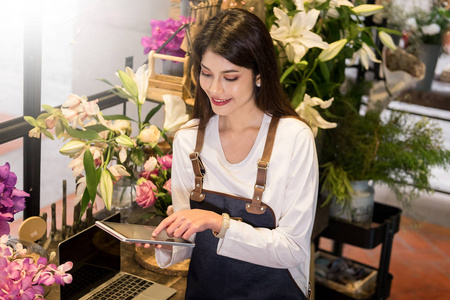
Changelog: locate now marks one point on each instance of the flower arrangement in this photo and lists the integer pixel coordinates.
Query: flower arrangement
(104, 148)
(161, 32)
(12, 200)
(22, 277)
(317, 42)
(314, 40)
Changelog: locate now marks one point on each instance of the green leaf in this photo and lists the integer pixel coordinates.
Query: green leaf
(84, 203)
(48, 134)
(91, 177)
(325, 71)
(301, 65)
(117, 117)
(47, 108)
(152, 113)
(137, 156)
(390, 31)
(88, 135)
(59, 129)
(106, 81)
(97, 127)
(32, 121)
(128, 83)
(298, 95)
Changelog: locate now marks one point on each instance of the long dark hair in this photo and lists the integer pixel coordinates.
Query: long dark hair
(241, 38)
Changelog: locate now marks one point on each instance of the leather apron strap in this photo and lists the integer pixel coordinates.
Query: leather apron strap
(199, 169)
(256, 206)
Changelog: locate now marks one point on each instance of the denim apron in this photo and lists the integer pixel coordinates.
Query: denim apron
(213, 276)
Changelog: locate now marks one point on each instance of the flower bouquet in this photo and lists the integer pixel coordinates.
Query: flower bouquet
(104, 148)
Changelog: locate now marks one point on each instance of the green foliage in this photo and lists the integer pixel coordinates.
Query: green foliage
(393, 149)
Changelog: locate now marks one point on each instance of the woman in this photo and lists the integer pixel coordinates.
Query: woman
(248, 204)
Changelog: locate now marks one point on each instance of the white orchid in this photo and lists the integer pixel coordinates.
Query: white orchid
(118, 171)
(364, 54)
(77, 109)
(307, 111)
(175, 113)
(296, 35)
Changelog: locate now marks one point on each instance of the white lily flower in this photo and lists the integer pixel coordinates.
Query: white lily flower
(365, 53)
(141, 78)
(311, 115)
(366, 10)
(296, 35)
(175, 113)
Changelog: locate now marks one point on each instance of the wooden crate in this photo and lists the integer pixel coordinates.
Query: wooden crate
(360, 289)
(161, 84)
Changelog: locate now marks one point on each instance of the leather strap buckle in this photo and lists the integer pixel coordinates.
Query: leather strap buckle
(264, 165)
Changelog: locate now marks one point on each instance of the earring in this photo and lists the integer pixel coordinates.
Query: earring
(258, 84)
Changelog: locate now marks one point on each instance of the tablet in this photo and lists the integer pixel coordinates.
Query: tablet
(135, 233)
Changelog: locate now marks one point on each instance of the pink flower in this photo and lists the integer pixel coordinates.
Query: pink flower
(165, 162)
(168, 186)
(161, 32)
(145, 194)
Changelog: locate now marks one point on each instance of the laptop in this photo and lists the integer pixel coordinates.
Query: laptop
(96, 269)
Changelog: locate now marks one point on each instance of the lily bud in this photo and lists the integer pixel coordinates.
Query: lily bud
(72, 147)
(366, 10)
(125, 141)
(106, 188)
(387, 40)
(332, 50)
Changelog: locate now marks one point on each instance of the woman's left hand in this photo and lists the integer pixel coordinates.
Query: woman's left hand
(185, 223)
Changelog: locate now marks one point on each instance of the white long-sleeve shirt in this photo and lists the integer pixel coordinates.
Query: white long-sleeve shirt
(291, 192)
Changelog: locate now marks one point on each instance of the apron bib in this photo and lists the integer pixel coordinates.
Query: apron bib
(213, 276)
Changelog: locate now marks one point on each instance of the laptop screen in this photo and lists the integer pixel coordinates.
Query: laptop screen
(96, 258)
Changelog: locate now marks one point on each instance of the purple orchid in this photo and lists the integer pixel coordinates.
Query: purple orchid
(12, 200)
(22, 278)
(161, 32)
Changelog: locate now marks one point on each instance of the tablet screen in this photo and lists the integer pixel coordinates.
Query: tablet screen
(136, 233)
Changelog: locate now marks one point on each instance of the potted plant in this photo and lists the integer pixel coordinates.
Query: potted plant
(425, 28)
(317, 43)
(387, 148)
(161, 39)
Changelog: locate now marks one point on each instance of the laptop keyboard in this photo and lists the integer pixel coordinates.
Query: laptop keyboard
(125, 287)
